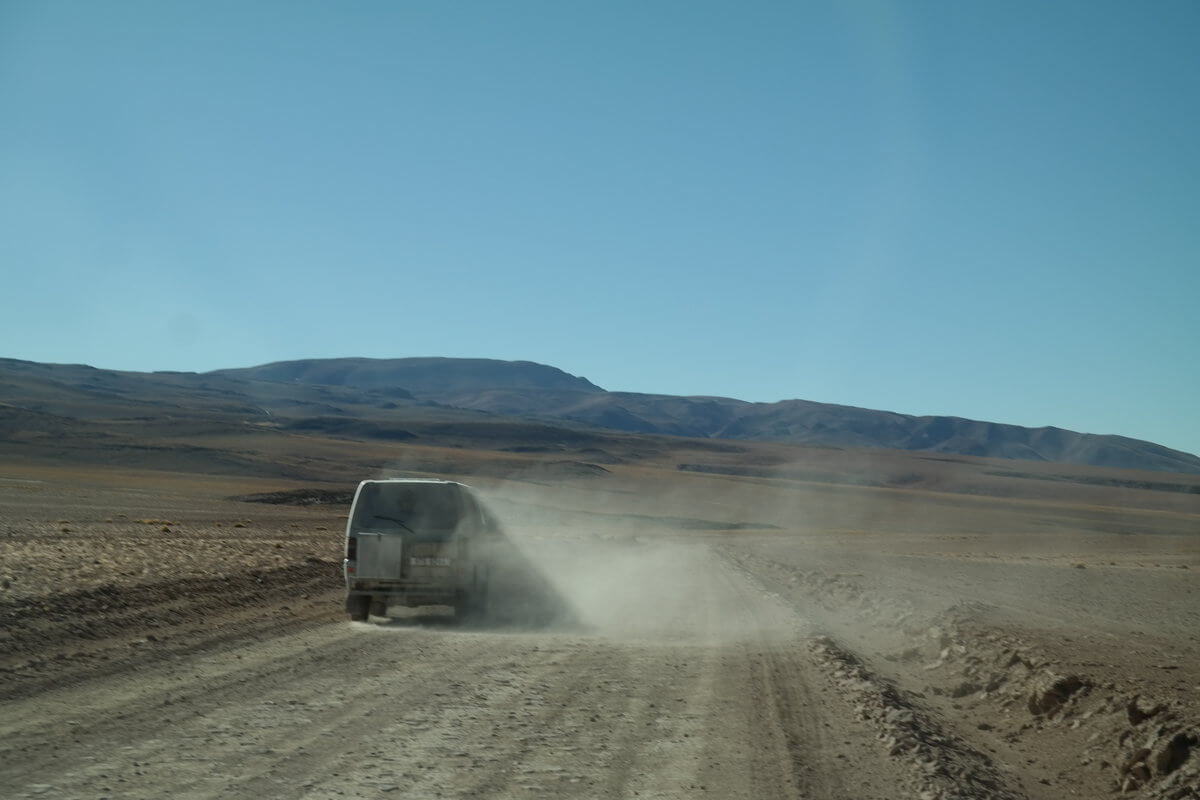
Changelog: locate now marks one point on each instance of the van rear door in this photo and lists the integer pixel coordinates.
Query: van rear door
(433, 561)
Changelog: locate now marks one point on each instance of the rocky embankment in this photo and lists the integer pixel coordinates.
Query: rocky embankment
(976, 703)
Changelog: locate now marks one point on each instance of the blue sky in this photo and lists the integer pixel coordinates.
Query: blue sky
(989, 210)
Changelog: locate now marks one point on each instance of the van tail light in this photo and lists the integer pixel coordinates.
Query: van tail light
(351, 547)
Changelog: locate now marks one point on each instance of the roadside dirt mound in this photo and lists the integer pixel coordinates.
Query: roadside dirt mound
(47, 639)
(350, 428)
(301, 497)
(1146, 744)
(942, 766)
(550, 470)
(575, 468)
(1098, 728)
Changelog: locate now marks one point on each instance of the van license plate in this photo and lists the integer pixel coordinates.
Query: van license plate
(430, 561)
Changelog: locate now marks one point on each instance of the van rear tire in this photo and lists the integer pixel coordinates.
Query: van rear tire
(359, 607)
(479, 602)
(472, 605)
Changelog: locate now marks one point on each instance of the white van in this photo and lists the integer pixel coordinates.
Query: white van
(417, 543)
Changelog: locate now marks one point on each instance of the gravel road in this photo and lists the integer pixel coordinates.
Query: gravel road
(707, 662)
(699, 693)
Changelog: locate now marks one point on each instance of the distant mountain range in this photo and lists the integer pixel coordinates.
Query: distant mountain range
(523, 388)
(375, 398)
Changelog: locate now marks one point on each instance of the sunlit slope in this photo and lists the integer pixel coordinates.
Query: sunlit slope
(525, 389)
(522, 403)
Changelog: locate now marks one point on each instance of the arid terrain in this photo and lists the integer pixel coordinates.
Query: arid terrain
(753, 620)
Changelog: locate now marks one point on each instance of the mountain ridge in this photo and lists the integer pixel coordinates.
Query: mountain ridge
(384, 398)
(413, 374)
(566, 397)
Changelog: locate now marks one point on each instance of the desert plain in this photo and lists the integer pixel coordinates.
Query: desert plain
(741, 620)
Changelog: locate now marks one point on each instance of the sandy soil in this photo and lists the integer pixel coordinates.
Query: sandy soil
(160, 640)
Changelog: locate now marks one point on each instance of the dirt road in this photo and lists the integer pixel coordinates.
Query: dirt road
(715, 693)
(205, 654)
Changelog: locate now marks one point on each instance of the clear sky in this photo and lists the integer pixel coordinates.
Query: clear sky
(989, 210)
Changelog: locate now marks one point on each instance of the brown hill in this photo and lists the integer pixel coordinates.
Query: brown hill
(525, 389)
(519, 404)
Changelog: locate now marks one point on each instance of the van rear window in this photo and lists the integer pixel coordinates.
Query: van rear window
(429, 511)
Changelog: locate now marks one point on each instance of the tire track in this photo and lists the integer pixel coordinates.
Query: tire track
(711, 693)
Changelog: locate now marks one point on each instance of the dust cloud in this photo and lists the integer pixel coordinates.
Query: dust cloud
(597, 555)
(621, 572)
(643, 553)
